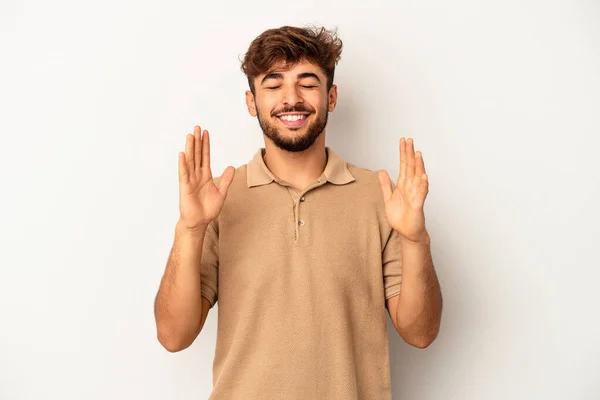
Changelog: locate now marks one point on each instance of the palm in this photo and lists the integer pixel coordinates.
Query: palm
(404, 203)
(200, 199)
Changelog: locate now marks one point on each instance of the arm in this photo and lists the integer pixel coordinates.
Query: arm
(179, 309)
(416, 311)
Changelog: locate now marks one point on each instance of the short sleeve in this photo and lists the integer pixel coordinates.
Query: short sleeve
(209, 265)
(392, 265)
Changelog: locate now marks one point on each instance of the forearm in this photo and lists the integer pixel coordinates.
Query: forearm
(178, 303)
(419, 308)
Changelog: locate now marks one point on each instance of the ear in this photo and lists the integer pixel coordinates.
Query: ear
(332, 98)
(250, 103)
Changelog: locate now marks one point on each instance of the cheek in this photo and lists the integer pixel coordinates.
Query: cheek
(318, 101)
(266, 104)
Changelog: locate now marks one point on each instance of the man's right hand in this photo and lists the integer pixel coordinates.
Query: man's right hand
(200, 200)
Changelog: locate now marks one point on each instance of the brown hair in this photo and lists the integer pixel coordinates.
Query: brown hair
(290, 45)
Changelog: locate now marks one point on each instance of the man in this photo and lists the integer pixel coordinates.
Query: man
(303, 251)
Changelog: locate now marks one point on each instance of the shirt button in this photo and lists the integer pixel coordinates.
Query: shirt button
(301, 222)
(302, 198)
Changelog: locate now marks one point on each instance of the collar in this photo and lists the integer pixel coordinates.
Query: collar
(336, 171)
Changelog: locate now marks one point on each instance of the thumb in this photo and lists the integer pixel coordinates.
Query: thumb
(226, 180)
(385, 183)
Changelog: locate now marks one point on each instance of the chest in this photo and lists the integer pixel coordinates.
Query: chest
(318, 241)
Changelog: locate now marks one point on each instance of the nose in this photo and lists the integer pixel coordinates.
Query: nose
(291, 95)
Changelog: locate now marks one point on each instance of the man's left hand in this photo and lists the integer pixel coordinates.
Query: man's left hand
(404, 205)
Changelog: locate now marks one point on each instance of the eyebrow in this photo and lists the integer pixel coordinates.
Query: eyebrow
(278, 75)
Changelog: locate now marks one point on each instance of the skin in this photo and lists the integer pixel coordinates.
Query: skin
(416, 312)
(296, 156)
(179, 309)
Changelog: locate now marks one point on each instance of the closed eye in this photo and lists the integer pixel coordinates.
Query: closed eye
(304, 86)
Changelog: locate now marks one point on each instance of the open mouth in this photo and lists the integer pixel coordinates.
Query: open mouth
(294, 120)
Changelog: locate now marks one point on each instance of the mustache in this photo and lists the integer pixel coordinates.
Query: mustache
(290, 109)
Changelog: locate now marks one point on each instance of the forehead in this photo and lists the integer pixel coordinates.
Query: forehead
(293, 69)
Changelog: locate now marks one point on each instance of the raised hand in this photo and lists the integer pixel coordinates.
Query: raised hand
(200, 199)
(404, 205)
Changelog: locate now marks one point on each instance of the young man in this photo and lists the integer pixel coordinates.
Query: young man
(303, 251)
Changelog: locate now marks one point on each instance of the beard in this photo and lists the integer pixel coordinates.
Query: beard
(296, 143)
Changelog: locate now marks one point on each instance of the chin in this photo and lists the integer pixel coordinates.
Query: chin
(294, 139)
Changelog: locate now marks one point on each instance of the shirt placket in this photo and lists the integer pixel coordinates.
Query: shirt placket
(299, 200)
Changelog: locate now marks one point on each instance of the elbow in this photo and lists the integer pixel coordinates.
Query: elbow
(420, 335)
(422, 340)
(171, 341)
(172, 346)
(421, 343)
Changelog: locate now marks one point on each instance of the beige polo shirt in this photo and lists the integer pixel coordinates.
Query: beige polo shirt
(301, 280)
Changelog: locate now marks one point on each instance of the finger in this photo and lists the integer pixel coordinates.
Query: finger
(424, 187)
(402, 174)
(206, 151)
(386, 184)
(226, 180)
(189, 153)
(420, 164)
(182, 169)
(410, 159)
(197, 150)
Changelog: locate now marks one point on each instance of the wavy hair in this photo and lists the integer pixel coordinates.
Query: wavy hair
(290, 45)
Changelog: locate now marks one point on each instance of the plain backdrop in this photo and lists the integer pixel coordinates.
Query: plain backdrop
(502, 98)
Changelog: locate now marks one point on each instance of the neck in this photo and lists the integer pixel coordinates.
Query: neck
(299, 169)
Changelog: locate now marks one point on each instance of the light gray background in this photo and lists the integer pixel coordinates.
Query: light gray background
(502, 98)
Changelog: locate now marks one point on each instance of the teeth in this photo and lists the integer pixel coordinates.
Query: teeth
(292, 117)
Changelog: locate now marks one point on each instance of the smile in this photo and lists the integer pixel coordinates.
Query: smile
(293, 120)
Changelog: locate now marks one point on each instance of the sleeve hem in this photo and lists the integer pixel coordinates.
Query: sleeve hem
(208, 293)
(392, 291)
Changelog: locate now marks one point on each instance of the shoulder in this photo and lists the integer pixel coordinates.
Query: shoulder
(366, 179)
(361, 174)
(366, 185)
(368, 193)
(235, 194)
(240, 175)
